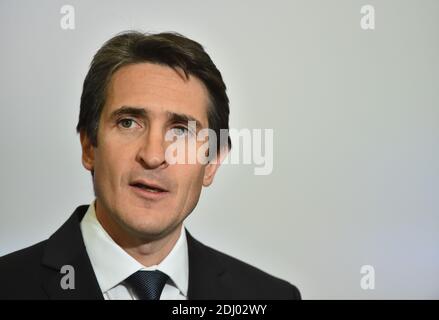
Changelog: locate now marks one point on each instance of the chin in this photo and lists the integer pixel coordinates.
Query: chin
(149, 226)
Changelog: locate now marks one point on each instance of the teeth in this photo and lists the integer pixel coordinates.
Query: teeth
(152, 190)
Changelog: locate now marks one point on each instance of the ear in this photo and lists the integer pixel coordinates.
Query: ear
(88, 156)
(213, 166)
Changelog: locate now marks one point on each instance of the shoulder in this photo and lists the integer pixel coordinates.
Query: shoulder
(22, 269)
(247, 280)
(252, 277)
(22, 259)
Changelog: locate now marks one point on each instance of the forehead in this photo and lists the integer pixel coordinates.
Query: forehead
(158, 88)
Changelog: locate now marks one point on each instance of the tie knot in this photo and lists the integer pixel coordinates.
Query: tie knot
(147, 285)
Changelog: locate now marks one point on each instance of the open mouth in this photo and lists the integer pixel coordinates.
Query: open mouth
(149, 190)
(147, 187)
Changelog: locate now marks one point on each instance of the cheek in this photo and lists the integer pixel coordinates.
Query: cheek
(110, 163)
(190, 184)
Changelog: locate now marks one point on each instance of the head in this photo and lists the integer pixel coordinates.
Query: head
(139, 88)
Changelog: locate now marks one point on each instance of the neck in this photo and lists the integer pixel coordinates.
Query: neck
(148, 251)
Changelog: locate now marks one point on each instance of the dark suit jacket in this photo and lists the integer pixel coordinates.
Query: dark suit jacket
(34, 272)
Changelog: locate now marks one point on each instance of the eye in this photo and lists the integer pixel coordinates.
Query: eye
(180, 131)
(126, 123)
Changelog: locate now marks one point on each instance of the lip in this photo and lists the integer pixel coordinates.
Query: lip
(148, 194)
(149, 183)
(143, 193)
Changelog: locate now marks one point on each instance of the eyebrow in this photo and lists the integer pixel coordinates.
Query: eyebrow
(128, 111)
(143, 113)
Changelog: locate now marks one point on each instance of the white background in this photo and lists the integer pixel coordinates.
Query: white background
(355, 119)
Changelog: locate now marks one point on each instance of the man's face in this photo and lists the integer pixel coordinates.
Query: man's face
(145, 101)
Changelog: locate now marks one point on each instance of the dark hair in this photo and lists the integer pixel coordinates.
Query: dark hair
(170, 49)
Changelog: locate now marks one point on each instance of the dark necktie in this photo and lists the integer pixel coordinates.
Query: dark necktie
(148, 285)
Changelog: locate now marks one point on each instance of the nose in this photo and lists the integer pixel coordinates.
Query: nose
(151, 153)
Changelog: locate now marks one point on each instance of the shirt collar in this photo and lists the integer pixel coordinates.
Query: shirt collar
(112, 264)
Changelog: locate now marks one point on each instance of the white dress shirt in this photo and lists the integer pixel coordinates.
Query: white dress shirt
(112, 265)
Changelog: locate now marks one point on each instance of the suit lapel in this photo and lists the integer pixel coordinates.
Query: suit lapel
(207, 275)
(66, 247)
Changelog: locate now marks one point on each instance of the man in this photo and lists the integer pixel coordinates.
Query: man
(130, 242)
